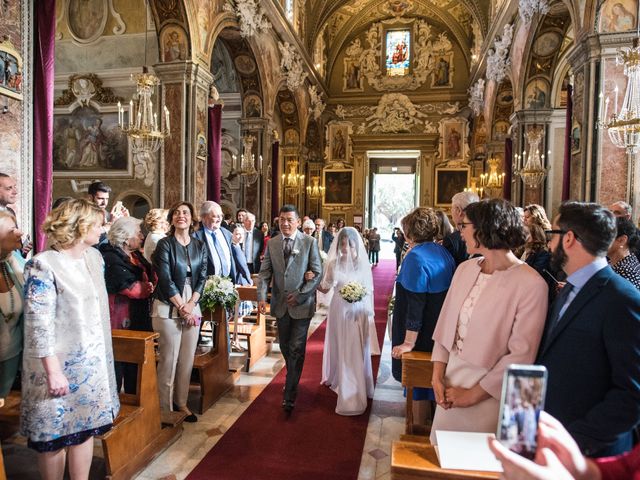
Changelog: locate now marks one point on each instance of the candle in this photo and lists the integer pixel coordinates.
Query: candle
(166, 119)
(615, 110)
(130, 112)
(601, 102)
(119, 114)
(606, 108)
(155, 121)
(139, 119)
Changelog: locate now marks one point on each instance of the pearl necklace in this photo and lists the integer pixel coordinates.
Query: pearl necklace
(12, 301)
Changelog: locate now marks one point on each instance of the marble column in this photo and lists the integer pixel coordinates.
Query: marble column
(183, 172)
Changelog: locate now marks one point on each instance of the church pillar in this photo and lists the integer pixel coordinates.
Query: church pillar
(183, 160)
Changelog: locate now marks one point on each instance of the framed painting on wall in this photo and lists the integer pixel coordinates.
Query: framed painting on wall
(449, 181)
(89, 142)
(10, 71)
(443, 71)
(338, 187)
(338, 142)
(453, 140)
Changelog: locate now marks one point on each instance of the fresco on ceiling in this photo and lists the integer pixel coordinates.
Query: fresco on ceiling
(398, 43)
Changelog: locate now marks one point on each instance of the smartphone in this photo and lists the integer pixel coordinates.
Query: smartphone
(523, 391)
(26, 239)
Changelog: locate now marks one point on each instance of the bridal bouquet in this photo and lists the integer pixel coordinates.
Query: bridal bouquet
(218, 291)
(353, 292)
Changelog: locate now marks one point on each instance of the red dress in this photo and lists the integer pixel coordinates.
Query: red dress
(621, 467)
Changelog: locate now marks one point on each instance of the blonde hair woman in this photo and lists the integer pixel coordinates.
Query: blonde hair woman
(68, 384)
(156, 225)
(11, 301)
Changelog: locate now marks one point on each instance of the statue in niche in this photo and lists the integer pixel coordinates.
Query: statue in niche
(339, 151)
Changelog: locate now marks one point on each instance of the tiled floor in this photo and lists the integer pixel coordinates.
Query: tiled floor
(386, 423)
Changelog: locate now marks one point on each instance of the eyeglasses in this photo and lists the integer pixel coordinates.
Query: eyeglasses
(463, 225)
(549, 233)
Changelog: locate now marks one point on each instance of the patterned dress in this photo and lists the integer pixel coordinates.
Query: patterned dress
(629, 268)
(67, 314)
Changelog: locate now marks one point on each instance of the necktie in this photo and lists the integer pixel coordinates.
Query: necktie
(561, 299)
(287, 248)
(223, 259)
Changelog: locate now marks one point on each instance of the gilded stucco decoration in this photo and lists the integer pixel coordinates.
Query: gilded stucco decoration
(291, 66)
(476, 96)
(85, 88)
(395, 113)
(317, 104)
(250, 17)
(498, 58)
(427, 48)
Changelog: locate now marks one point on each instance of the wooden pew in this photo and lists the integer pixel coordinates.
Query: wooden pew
(254, 333)
(3, 475)
(213, 367)
(418, 461)
(417, 371)
(139, 434)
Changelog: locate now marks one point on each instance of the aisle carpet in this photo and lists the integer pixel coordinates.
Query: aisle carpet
(313, 442)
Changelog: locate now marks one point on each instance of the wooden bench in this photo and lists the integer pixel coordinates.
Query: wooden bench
(254, 333)
(140, 433)
(3, 475)
(417, 371)
(415, 460)
(213, 367)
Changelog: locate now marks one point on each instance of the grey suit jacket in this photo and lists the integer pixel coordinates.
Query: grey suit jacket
(288, 277)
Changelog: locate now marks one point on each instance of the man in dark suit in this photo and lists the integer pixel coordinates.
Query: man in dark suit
(253, 242)
(454, 243)
(225, 258)
(323, 237)
(591, 343)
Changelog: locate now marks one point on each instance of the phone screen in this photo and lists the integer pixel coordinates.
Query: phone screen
(523, 391)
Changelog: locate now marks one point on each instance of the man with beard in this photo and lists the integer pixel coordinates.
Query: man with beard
(591, 343)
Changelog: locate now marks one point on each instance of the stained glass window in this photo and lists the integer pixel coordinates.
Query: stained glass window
(398, 44)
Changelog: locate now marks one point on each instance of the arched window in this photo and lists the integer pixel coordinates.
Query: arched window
(289, 9)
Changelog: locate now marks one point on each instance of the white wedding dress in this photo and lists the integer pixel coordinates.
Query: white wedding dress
(346, 363)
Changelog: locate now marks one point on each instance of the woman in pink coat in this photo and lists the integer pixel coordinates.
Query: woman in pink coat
(493, 316)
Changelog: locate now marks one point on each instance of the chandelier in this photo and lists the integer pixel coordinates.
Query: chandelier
(315, 190)
(493, 181)
(145, 133)
(624, 125)
(248, 161)
(473, 188)
(533, 172)
(293, 179)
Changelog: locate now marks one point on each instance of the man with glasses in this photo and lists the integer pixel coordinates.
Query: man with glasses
(453, 242)
(323, 237)
(591, 343)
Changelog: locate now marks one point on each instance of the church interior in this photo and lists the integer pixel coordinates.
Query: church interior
(258, 103)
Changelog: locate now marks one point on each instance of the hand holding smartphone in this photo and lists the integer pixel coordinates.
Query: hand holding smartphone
(523, 391)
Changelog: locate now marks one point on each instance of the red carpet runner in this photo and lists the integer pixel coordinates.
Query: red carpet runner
(314, 442)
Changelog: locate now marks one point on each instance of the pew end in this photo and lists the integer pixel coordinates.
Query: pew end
(417, 371)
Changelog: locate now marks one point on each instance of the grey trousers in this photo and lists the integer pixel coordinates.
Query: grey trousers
(292, 333)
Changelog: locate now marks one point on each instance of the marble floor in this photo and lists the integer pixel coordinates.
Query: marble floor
(386, 423)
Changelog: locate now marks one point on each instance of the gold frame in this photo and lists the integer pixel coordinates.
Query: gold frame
(8, 49)
(341, 183)
(452, 188)
(383, 60)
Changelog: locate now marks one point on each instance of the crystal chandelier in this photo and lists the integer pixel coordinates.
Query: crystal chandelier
(533, 172)
(528, 8)
(144, 131)
(624, 125)
(493, 181)
(473, 188)
(248, 161)
(315, 190)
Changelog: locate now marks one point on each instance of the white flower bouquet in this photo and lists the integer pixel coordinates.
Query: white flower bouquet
(353, 292)
(218, 291)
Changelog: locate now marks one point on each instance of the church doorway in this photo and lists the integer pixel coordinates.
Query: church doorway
(392, 194)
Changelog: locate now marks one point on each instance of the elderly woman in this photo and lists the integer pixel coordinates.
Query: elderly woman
(181, 264)
(493, 315)
(421, 287)
(11, 301)
(308, 227)
(130, 282)
(68, 385)
(156, 225)
(622, 251)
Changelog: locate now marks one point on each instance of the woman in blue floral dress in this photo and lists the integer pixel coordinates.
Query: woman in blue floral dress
(68, 382)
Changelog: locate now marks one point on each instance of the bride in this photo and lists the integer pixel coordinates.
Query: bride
(346, 363)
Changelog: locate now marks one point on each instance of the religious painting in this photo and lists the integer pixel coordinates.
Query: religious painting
(291, 137)
(575, 137)
(252, 106)
(173, 42)
(536, 94)
(245, 64)
(86, 20)
(500, 129)
(443, 71)
(338, 142)
(546, 44)
(338, 187)
(397, 52)
(287, 108)
(450, 181)
(205, 13)
(10, 71)
(353, 80)
(201, 148)
(618, 15)
(453, 141)
(87, 141)
(504, 98)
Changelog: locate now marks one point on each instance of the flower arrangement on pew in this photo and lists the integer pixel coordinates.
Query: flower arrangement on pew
(218, 292)
(353, 292)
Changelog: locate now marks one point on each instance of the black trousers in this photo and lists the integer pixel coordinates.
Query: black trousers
(373, 256)
(293, 344)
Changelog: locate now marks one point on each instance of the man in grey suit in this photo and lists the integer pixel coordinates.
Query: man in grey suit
(287, 257)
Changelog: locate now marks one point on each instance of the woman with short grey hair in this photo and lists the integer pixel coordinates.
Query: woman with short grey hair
(122, 230)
